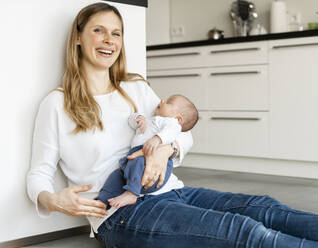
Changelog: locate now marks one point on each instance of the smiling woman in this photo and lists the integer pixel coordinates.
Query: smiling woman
(84, 127)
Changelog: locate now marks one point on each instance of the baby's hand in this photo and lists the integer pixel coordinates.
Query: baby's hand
(151, 145)
(141, 122)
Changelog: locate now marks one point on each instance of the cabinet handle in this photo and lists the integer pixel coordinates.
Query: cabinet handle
(175, 76)
(234, 73)
(295, 45)
(173, 55)
(236, 118)
(236, 50)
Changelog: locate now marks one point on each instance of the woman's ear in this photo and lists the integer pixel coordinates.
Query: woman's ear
(78, 40)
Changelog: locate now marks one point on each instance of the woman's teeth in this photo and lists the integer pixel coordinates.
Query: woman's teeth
(105, 52)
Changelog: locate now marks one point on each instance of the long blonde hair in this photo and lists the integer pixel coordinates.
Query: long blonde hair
(79, 103)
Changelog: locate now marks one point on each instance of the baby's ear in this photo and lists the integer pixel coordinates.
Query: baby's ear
(180, 119)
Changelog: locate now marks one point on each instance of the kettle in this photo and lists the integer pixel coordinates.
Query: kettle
(215, 34)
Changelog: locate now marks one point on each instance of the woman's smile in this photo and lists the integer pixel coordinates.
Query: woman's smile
(104, 52)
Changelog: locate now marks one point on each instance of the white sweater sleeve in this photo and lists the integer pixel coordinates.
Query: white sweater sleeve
(45, 153)
(184, 139)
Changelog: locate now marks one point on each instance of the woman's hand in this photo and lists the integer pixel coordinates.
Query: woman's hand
(156, 165)
(151, 145)
(67, 201)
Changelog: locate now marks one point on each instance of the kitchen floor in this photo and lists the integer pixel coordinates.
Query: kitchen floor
(298, 193)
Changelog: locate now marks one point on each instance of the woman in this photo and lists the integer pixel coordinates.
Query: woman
(83, 126)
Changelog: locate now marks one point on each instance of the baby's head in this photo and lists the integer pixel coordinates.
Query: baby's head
(180, 107)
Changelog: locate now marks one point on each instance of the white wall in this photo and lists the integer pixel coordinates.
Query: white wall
(199, 16)
(158, 22)
(32, 44)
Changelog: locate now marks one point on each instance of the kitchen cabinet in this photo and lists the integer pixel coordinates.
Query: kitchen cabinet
(249, 53)
(230, 94)
(188, 82)
(189, 57)
(294, 99)
(255, 99)
(238, 88)
(237, 133)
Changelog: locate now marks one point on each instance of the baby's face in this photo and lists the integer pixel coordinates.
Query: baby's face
(166, 109)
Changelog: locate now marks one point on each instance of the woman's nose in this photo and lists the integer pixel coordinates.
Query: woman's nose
(108, 38)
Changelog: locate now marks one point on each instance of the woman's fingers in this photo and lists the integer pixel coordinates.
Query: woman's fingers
(161, 177)
(90, 206)
(69, 202)
(147, 175)
(81, 188)
(150, 176)
(136, 154)
(91, 211)
(93, 203)
(86, 207)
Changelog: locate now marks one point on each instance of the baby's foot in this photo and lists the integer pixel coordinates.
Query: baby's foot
(126, 198)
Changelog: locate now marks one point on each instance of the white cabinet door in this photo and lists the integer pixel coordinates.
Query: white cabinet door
(189, 82)
(176, 58)
(238, 133)
(246, 53)
(238, 88)
(294, 99)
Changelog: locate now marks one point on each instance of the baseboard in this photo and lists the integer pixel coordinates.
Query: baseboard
(276, 167)
(32, 240)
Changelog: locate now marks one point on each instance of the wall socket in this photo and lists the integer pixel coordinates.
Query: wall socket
(177, 31)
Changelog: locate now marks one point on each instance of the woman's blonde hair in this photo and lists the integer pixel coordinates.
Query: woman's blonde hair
(79, 103)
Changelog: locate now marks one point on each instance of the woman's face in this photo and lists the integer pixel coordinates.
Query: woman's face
(101, 40)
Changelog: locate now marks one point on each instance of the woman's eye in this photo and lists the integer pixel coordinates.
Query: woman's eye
(97, 30)
(116, 34)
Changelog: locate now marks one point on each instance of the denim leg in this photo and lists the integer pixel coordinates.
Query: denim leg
(166, 221)
(265, 209)
(133, 172)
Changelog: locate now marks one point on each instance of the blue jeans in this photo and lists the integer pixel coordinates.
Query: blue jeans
(198, 217)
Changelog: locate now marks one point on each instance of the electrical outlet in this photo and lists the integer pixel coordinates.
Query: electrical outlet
(177, 31)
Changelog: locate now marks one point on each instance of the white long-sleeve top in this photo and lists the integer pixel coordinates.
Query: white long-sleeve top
(90, 157)
(166, 128)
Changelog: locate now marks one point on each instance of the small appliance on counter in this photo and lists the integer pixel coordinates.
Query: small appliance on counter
(215, 34)
(243, 14)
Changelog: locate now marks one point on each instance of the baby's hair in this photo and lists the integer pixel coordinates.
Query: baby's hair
(187, 109)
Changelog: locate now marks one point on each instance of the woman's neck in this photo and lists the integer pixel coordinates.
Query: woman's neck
(98, 80)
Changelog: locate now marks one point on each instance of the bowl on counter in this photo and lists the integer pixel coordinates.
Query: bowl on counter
(312, 25)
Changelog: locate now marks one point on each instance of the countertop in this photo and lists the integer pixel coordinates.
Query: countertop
(275, 36)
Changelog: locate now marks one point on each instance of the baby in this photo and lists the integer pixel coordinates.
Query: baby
(175, 115)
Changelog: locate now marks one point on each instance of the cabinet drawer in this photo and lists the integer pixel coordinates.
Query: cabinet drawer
(189, 57)
(237, 133)
(189, 83)
(238, 88)
(237, 54)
